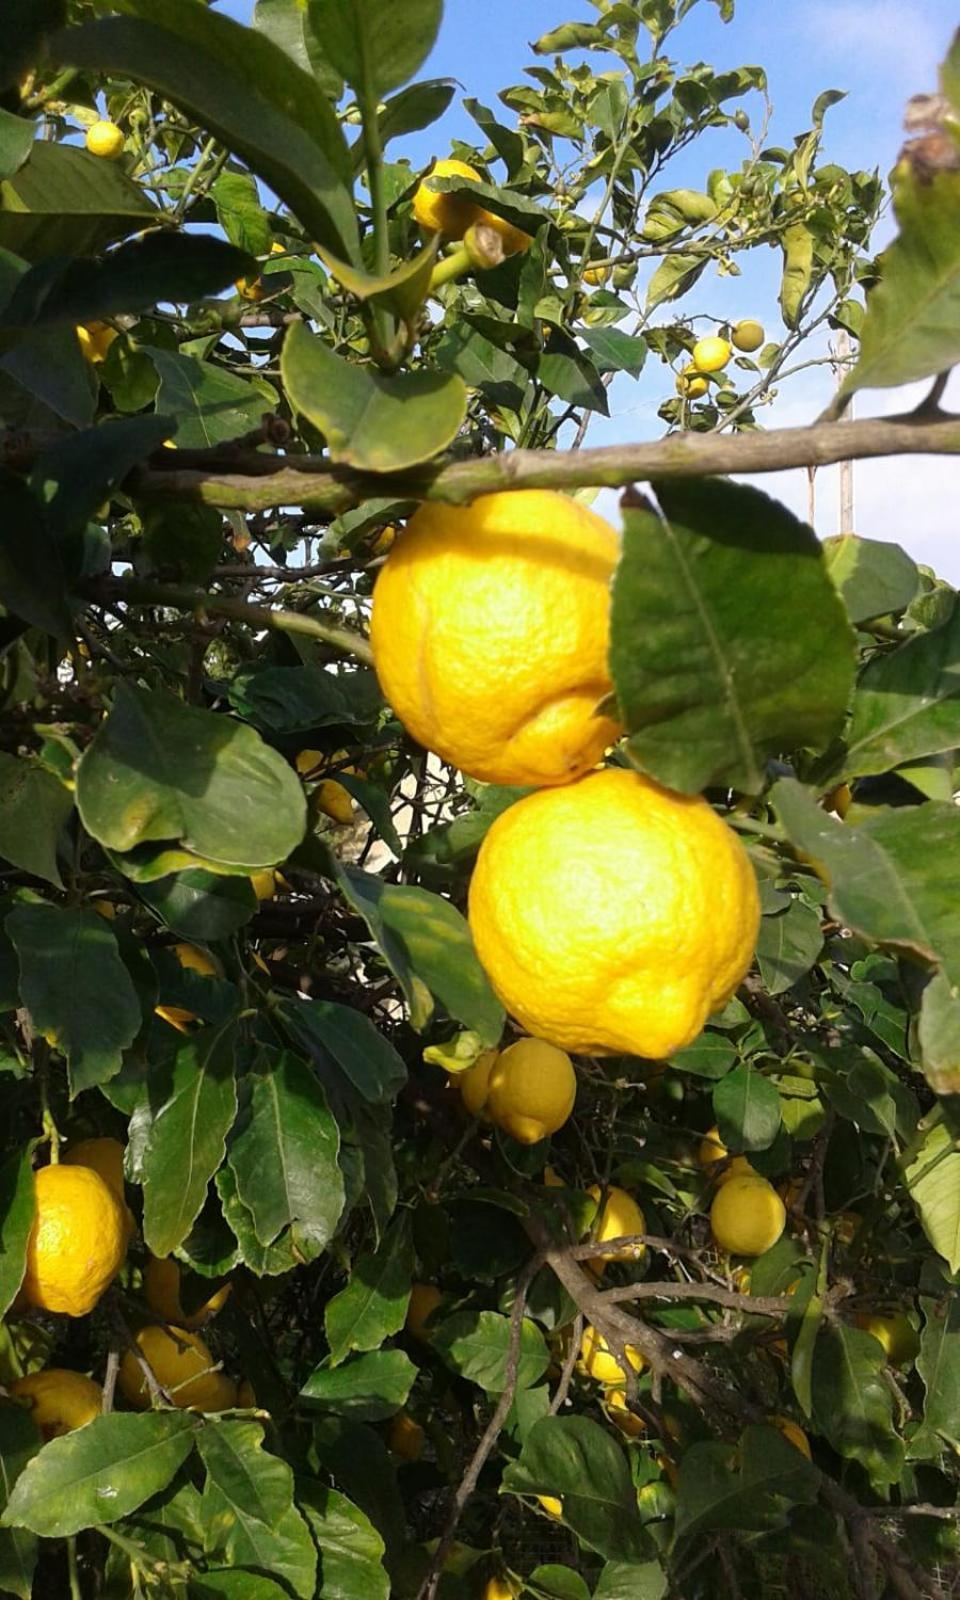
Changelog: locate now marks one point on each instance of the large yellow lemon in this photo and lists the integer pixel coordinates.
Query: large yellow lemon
(598, 1361)
(490, 629)
(105, 1156)
(58, 1400)
(620, 1217)
(182, 1364)
(105, 139)
(446, 213)
(895, 1332)
(531, 1090)
(77, 1243)
(161, 1285)
(747, 1216)
(613, 915)
(711, 355)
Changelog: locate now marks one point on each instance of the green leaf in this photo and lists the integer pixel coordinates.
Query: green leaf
(729, 643)
(402, 290)
(286, 1551)
(938, 1034)
(338, 1036)
(852, 1403)
(34, 806)
(577, 1461)
(26, 25)
(92, 1018)
(788, 945)
(64, 201)
(558, 1583)
(933, 1183)
(875, 579)
(939, 1366)
(375, 44)
(413, 108)
(99, 1473)
(232, 1583)
(240, 212)
(370, 421)
(301, 699)
(710, 1056)
(747, 1109)
(482, 365)
(351, 1548)
(368, 1388)
(46, 363)
(749, 1489)
(76, 473)
(210, 406)
(912, 326)
(19, 1443)
(476, 1344)
(615, 351)
(565, 371)
(907, 702)
(201, 906)
(264, 1260)
(159, 770)
(187, 1137)
(32, 581)
(889, 875)
(427, 945)
(284, 1152)
(621, 1580)
(287, 23)
(245, 90)
(243, 1479)
(374, 1303)
(16, 141)
(17, 1208)
(675, 275)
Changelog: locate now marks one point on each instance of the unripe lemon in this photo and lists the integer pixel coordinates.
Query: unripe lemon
(598, 1361)
(596, 275)
(105, 139)
(713, 1151)
(691, 384)
(424, 1299)
(490, 631)
(161, 1285)
(551, 1505)
(747, 1216)
(58, 1400)
(747, 335)
(446, 213)
(613, 915)
(793, 1431)
(334, 801)
(182, 1364)
(474, 1084)
(711, 354)
(895, 1332)
(77, 1242)
(105, 1156)
(405, 1437)
(531, 1090)
(618, 1410)
(620, 1217)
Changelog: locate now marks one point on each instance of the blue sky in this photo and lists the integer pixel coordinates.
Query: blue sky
(880, 52)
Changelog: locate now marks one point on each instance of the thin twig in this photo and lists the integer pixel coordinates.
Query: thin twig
(570, 1361)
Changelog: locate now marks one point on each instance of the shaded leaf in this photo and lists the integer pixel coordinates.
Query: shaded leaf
(747, 1109)
(874, 577)
(19, 1443)
(576, 1461)
(351, 1549)
(16, 139)
(346, 1038)
(939, 1366)
(750, 1489)
(368, 1388)
(243, 1479)
(187, 1137)
(852, 1404)
(34, 806)
(788, 945)
(907, 702)
(17, 1209)
(933, 1182)
(374, 1303)
(64, 201)
(201, 906)
(476, 1344)
(375, 44)
(209, 404)
(284, 1152)
(286, 1551)
(32, 580)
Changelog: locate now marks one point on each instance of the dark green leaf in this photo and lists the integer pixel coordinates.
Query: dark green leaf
(621, 1580)
(747, 1109)
(187, 1138)
(243, 1479)
(26, 24)
(264, 1260)
(240, 212)
(375, 44)
(939, 1366)
(48, 365)
(368, 1388)
(710, 1056)
(201, 905)
(64, 201)
(476, 1344)
(19, 1443)
(34, 806)
(209, 405)
(907, 702)
(576, 1460)
(286, 1551)
(506, 141)
(17, 1208)
(938, 1034)
(76, 473)
(852, 1403)
(32, 582)
(874, 577)
(615, 351)
(750, 1489)
(284, 1152)
(374, 1303)
(933, 1182)
(345, 1038)
(788, 945)
(16, 139)
(413, 108)
(558, 1583)
(287, 23)
(565, 371)
(298, 699)
(350, 1546)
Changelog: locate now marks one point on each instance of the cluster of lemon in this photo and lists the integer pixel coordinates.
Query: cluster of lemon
(456, 217)
(712, 353)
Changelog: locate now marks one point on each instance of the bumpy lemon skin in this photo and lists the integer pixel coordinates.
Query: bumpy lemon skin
(446, 213)
(613, 915)
(490, 633)
(620, 1217)
(77, 1243)
(105, 1156)
(58, 1400)
(598, 1361)
(747, 1216)
(531, 1090)
(181, 1362)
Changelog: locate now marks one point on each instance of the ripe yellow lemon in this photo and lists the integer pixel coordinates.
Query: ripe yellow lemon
(252, 289)
(531, 1090)
(620, 1217)
(793, 1431)
(713, 1151)
(405, 1437)
(95, 340)
(490, 630)
(265, 883)
(711, 354)
(512, 239)
(161, 1285)
(895, 1332)
(474, 1084)
(334, 801)
(77, 1243)
(424, 1299)
(747, 335)
(613, 915)
(105, 139)
(551, 1505)
(182, 1364)
(596, 275)
(747, 1216)
(598, 1361)
(310, 762)
(497, 1589)
(692, 384)
(194, 959)
(106, 1157)
(446, 213)
(618, 1410)
(58, 1400)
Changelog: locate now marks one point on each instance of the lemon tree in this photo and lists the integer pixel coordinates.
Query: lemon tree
(479, 965)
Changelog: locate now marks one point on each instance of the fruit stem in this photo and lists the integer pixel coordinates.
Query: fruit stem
(452, 266)
(73, 1570)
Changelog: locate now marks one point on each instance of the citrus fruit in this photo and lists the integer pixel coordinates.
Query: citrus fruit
(497, 1589)
(551, 1505)
(692, 384)
(747, 1216)
(618, 1409)
(513, 240)
(405, 1437)
(58, 1400)
(161, 1285)
(552, 1179)
(424, 1299)
(613, 915)
(105, 139)
(265, 883)
(104, 1156)
(474, 1084)
(308, 762)
(793, 1431)
(246, 1394)
(194, 959)
(489, 631)
(598, 1361)
(895, 1331)
(596, 275)
(747, 335)
(95, 340)
(77, 1242)
(620, 1217)
(711, 354)
(530, 1090)
(182, 1364)
(332, 799)
(713, 1151)
(252, 289)
(446, 213)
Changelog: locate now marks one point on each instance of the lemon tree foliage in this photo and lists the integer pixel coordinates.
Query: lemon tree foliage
(431, 1166)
